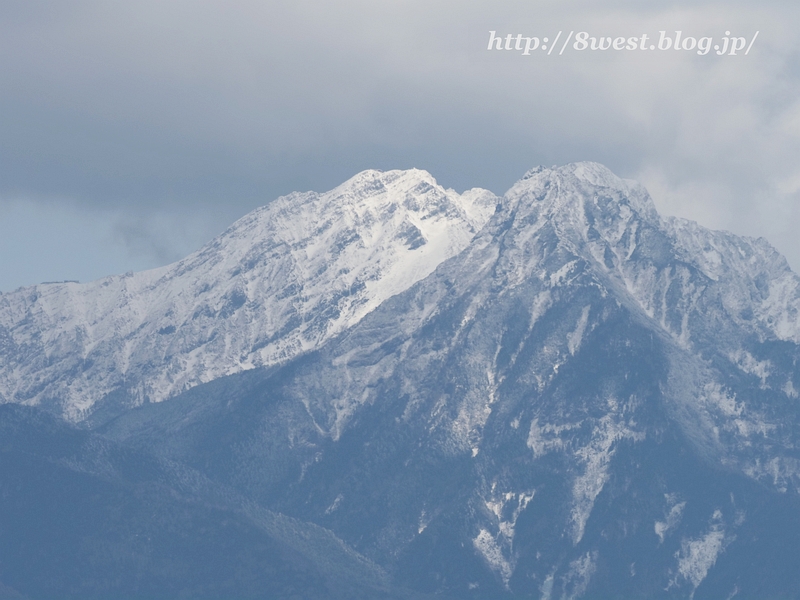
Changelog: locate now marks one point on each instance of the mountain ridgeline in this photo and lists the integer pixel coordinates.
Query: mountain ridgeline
(393, 390)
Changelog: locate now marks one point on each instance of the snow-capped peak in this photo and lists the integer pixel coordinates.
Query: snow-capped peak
(613, 224)
(277, 283)
(562, 193)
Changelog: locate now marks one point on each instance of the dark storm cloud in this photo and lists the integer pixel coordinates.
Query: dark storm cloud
(150, 113)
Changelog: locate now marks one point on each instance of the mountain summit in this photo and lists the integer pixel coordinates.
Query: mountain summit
(553, 394)
(279, 282)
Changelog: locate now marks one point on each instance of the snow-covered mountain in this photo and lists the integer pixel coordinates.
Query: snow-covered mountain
(279, 282)
(559, 394)
(728, 306)
(589, 399)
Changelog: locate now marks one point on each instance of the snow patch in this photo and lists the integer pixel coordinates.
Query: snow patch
(507, 507)
(574, 339)
(576, 580)
(546, 438)
(486, 544)
(424, 521)
(596, 458)
(559, 276)
(335, 504)
(782, 472)
(672, 519)
(593, 458)
(697, 556)
(750, 365)
(547, 586)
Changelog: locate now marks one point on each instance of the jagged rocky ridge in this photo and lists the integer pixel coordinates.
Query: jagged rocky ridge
(588, 400)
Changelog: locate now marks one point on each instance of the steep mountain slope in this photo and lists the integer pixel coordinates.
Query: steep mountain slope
(588, 401)
(279, 282)
(81, 517)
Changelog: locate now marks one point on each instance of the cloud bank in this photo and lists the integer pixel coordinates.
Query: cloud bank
(155, 125)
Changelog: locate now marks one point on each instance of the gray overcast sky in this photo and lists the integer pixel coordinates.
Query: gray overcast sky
(133, 132)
